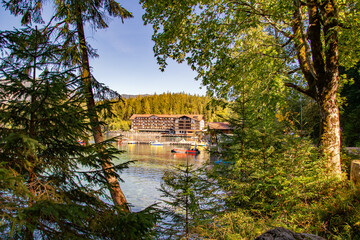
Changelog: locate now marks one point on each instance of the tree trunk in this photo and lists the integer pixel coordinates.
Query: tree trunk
(327, 97)
(117, 195)
(330, 141)
(29, 233)
(318, 56)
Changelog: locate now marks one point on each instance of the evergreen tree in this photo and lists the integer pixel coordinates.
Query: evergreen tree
(76, 14)
(190, 202)
(137, 105)
(145, 105)
(155, 104)
(51, 186)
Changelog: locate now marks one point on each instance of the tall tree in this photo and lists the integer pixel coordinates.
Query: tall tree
(304, 34)
(77, 13)
(48, 187)
(91, 10)
(145, 106)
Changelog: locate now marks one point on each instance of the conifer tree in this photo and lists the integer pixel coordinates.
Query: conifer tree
(51, 186)
(145, 106)
(76, 14)
(190, 201)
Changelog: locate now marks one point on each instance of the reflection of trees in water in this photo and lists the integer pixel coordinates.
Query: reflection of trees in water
(143, 178)
(161, 154)
(139, 136)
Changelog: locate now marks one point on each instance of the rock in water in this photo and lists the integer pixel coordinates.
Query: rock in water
(285, 234)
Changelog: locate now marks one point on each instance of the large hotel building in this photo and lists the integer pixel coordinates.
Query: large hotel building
(177, 124)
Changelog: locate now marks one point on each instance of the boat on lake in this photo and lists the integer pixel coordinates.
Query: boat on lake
(156, 143)
(187, 151)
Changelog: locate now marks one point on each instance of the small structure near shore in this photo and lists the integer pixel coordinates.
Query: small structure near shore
(217, 128)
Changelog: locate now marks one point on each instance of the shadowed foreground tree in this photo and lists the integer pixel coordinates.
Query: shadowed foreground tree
(90, 10)
(303, 34)
(51, 187)
(74, 13)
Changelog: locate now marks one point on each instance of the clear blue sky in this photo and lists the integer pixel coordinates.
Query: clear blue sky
(126, 60)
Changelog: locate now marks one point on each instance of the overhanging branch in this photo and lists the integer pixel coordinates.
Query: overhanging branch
(294, 71)
(304, 40)
(300, 89)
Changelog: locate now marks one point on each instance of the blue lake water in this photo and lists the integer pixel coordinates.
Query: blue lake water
(143, 178)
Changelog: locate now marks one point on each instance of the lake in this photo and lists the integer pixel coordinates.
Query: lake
(143, 178)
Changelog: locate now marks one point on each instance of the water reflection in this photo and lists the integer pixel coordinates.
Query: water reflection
(143, 178)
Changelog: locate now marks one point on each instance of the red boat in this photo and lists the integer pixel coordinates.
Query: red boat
(187, 151)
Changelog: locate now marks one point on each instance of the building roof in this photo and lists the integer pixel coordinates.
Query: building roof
(196, 117)
(219, 126)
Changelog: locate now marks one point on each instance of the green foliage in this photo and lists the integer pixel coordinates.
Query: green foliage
(303, 112)
(334, 216)
(282, 184)
(51, 186)
(246, 52)
(209, 34)
(351, 108)
(273, 176)
(166, 103)
(339, 214)
(349, 34)
(301, 41)
(190, 202)
(236, 225)
(95, 11)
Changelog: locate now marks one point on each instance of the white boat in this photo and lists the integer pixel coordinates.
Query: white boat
(156, 143)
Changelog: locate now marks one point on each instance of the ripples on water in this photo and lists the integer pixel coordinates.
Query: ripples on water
(143, 178)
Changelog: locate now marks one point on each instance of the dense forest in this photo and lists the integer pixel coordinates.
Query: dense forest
(166, 103)
(350, 114)
(182, 103)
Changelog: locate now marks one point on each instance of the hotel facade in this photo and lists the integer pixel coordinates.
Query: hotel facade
(166, 123)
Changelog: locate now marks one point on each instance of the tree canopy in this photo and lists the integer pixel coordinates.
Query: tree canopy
(72, 16)
(307, 40)
(52, 187)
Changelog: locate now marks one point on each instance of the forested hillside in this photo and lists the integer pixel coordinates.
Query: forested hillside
(165, 103)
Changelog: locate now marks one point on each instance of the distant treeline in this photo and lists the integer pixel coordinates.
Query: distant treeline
(165, 103)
